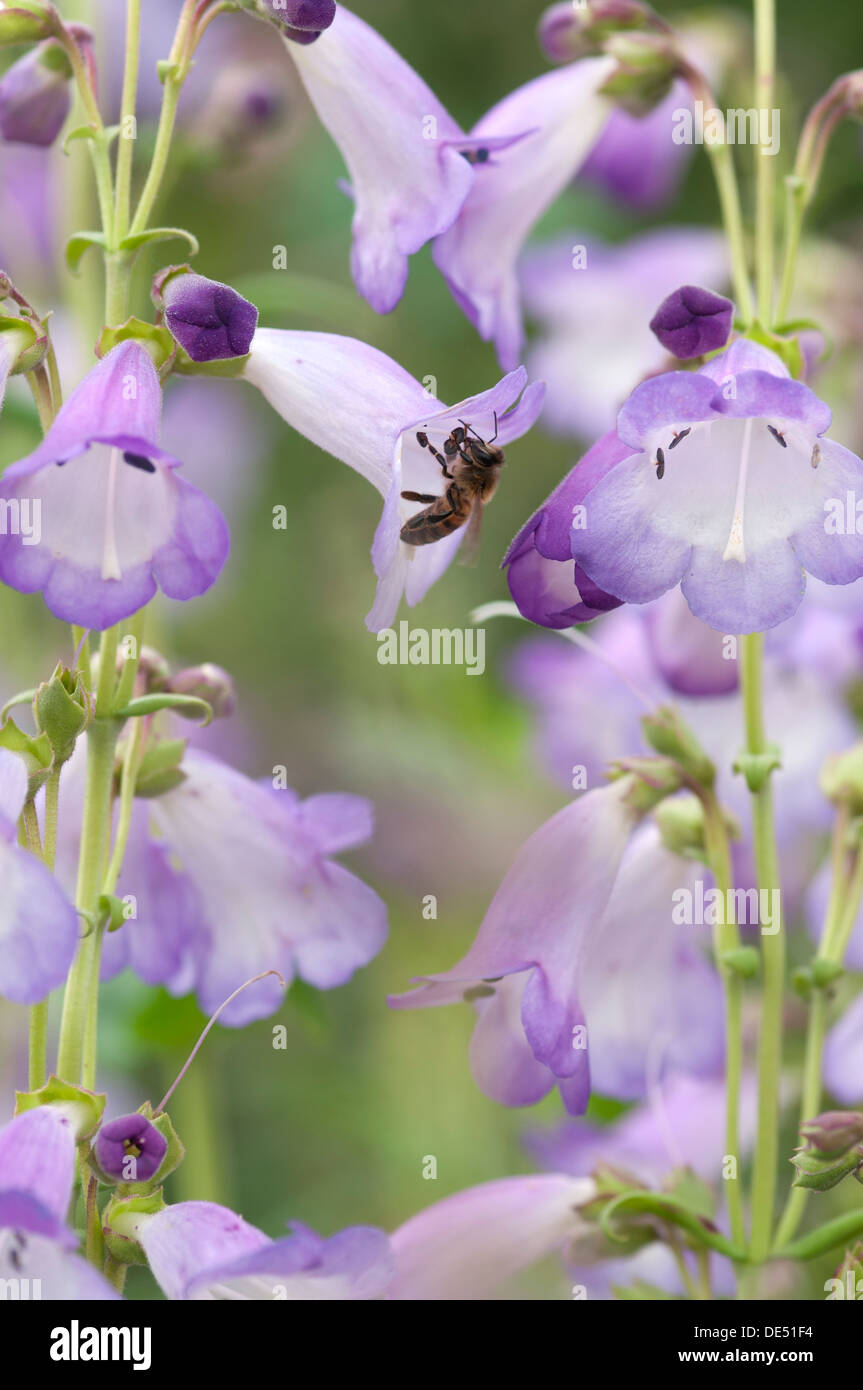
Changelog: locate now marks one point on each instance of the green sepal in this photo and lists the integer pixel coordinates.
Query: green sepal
(32, 351)
(25, 24)
(672, 737)
(165, 69)
(653, 779)
(817, 1173)
(743, 960)
(665, 1208)
(119, 1222)
(111, 912)
(221, 367)
(86, 1106)
(62, 709)
(188, 706)
(787, 349)
(137, 240)
(160, 769)
(81, 242)
(155, 339)
(36, 753)
(757, 767)
(90, 132)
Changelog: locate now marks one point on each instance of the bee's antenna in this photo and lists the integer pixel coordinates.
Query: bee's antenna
(496, 430)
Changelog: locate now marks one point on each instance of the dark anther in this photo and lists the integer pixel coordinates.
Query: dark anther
(816, 455)
(479, 156)
(780, 438)
(139, 461)
(660, 463)
(677, 437)
(422, 439)
(61, 463)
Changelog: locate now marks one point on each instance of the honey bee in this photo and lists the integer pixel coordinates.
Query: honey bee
(472, 467)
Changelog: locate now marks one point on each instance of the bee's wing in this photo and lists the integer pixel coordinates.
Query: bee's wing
(468, 551)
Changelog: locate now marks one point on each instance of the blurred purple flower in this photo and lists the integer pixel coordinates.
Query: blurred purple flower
(595, 343)
(843, 1055)
(38, 925)
(692, 321)
(312, 918)
(578, 969)
(116, 522)
(366, 410)
(199, 1250)
(469, 1244)
(34, 97)
(635, 161)
(738, 514)
(37, 1174)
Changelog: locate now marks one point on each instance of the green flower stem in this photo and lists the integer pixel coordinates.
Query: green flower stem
(126, 684)
(726, 937)
(729, 198)
(845, 898)
(772, 958)
(179, 59)
(81, 995)
(40, 389)
(126, 145)
(765, 178)
(99, 144)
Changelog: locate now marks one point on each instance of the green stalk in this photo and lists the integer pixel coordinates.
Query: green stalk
(772, 958)
(180, 59)
(726, 937)
(126, 146)
(765, 180)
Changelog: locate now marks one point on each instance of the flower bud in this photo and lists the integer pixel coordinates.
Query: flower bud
(300, 20)
(206, 682)
(646, 66)
(692, 321)
(209, 320)
(841, 779)
(833, 1133)
(62, 710)
(567, 31)
(681, 825)
(35, 97)
(669, 735)
(818, 1173)
(130, 1149)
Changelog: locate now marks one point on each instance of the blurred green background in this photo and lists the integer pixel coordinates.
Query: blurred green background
(334, 1130)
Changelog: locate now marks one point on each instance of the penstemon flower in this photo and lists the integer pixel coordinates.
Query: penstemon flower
(117, 522)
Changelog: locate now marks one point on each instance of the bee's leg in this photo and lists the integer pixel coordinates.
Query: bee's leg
(419, 497)
(423, 441)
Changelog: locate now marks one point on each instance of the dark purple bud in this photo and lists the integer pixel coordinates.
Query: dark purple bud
(210, 320)
(302, 20)
(35, 97)
(130, 1149)
(692, 321)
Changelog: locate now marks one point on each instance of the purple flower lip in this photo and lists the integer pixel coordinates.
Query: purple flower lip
(692, 321)
(208, 319)
(130, 1149)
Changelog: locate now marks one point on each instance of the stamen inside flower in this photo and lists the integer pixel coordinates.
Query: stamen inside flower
(735, 548)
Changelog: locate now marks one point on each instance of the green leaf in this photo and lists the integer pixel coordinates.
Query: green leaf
(189, 706)
(78, 244)
(154, 234)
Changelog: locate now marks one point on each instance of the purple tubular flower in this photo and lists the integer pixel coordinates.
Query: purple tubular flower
(35, 97)
(313, 918)
(467, 1245)
(366, 410)
(693, 321)
(38, 925)
(130, 1148)
(37, 1175)
(731, 492)
(547, 587)
(116, 522)
(843, 1056)
(37, 1170)
(552, 124)
(634, 161)
(401, 148)
(208, 319)
(304, 20)
(199, 1250)
(525, 968)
